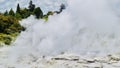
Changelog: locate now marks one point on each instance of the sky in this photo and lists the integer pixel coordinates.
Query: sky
(46, 5)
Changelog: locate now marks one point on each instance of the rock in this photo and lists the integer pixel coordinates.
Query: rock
(65, 61)
(116, 64)
(94, 65)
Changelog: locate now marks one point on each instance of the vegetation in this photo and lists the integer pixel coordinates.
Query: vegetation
(9, 21)
(18, 9)
(31, 6)
(62, 7)
(22, 13)
(6, 13)
(9, 27)
(38, 12)
(45, 17)
(7, 39)
(11, 12)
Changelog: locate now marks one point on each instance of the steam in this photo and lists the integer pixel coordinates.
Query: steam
(87, 27)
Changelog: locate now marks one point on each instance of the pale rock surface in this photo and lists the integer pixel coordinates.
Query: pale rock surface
(60, 61)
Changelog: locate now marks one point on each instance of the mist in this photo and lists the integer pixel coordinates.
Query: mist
(84, 27)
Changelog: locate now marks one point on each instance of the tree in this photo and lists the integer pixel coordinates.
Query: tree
(11, 12)
(6, 13)
(45, 17)
(18, 16)
(38, 12)
(9, 25)
(62, 7)
(31, 6)
(18, 9)
(50, 13)
(25, 13)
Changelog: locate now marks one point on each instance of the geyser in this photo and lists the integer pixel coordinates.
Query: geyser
(85, 27)
(91, 28)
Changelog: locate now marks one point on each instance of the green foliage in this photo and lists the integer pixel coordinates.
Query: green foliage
(38, 12)
(6, 39)
(45, 17)
(9, 27)
(25, 13)
(6, 13)
(62, 7)
(18, 15)
(18, 9)
(31, 6)
(50, 13)
(9, 24)
(9, 21)
(11, 12)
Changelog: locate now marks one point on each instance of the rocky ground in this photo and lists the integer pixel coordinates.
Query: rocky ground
(74, 61)
(60, 61)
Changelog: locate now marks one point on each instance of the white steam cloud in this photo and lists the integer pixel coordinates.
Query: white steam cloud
(85, 27)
